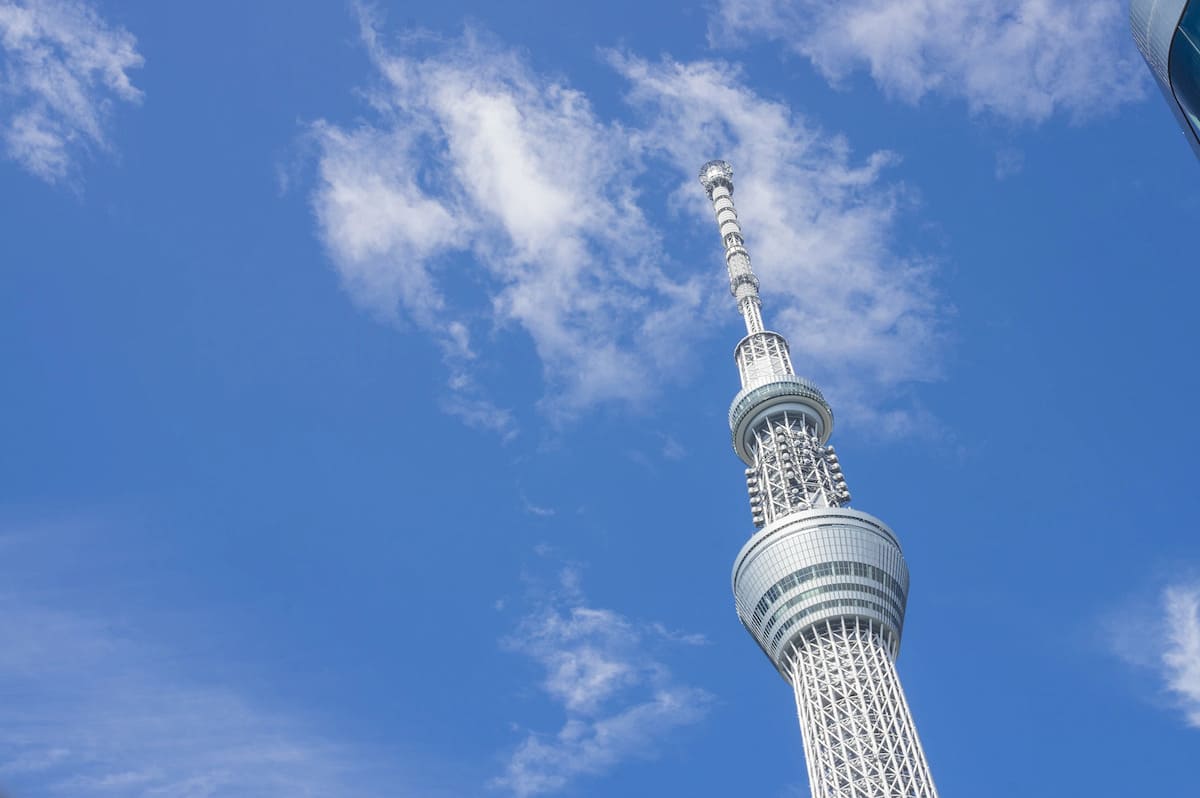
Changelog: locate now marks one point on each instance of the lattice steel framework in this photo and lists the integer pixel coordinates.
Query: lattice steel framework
(821, 588)
(792, 471)
(860, 738)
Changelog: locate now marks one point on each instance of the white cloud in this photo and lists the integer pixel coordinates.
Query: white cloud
(91, 711)
(478, 411)
(1020, 60)
(860, 319)
(536, 509)
(479, 172)
(673, 449)
(687, 638)
(1181, 655)
(1009, 161)
(95, 707)
(1163, 637)
(619, 700)
(61, 69)
(483, 197)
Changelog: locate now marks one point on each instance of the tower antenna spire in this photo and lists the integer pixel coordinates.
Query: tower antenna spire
(717, 179)
(821, 588)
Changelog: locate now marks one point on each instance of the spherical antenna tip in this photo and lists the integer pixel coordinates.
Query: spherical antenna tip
(715, 173)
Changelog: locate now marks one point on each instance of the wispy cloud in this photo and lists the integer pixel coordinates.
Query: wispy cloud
(673, 449)
(479, 172)
(1163, 637)
(1009, 161)
(100, 712)
(483, 197)
(619, 699)
(536, 509)
(1020, 60)
(95, 707)
(62, 68)
(1181, 655)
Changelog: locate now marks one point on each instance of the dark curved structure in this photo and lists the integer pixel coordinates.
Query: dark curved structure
(1168, 34)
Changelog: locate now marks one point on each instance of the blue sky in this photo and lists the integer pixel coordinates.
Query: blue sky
(366, 370)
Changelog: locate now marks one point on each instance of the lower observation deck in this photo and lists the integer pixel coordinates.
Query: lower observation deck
(815, 566)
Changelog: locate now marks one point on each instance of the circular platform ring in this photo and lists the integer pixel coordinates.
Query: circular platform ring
(755, 403)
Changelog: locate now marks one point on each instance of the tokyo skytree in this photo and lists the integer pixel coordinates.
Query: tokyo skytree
(821, 588)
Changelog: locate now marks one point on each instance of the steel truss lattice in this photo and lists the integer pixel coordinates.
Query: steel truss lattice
(859, 737)
(792, 471)
(763, 356)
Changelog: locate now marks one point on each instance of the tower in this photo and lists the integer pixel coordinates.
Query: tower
(821, 588)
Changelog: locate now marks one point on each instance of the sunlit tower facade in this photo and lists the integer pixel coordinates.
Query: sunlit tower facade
(821, 588)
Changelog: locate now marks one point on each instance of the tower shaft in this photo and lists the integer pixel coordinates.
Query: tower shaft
(821, 588)
(859, 737)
